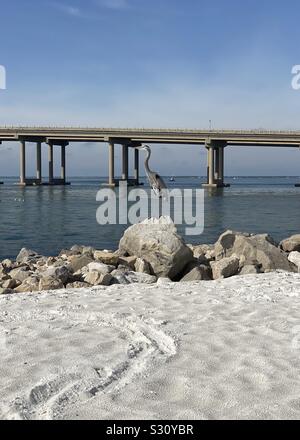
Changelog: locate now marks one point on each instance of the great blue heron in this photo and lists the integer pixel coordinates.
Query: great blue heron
(156, 181)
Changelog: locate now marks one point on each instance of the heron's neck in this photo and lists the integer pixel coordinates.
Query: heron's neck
(147, 160)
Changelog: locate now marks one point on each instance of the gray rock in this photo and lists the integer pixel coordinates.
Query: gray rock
(129, 277)
(50, 261)
(100, 267)
(199, 273)
(129, 262)
(62, 273)
(10, 284)
(254, 250)
(294, 258)
(3, 272)
(142, 266)
(20, 273)
(249, 269)
(164, 281)
(66, 253)
(26, 255)
(80, 250)
(78, 285)
(291, 244)
(98, 279)
(203, 252)
(31, 284)
(8, 264)
(76, 248)
(40, 263)
(50, 283)
(78, 262)
(157, 242)
(4, 291)
(119, 277)
(225, 268)
(109, 258)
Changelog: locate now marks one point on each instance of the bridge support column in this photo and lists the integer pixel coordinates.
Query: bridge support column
(50, 163)
(215, 169)
(39, 162)
(136, 167)
(63, 164)
(1, 183)
(111, 166)
(125, 162)
(23, 163)
(221, 164)
(217, 164)
(210, 165)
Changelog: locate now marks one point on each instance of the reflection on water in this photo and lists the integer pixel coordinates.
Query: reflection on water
(48, 219)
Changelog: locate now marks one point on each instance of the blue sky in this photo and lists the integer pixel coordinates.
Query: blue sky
(154, 63)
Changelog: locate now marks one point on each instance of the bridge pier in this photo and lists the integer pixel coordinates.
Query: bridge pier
(23, 163)
(50, 163)
(111, 166)
(39, 162)
(24, 181)
(63, 164)
(125, 162)
(112, 180)
(215, 164)
(137, 167)
(52, 181)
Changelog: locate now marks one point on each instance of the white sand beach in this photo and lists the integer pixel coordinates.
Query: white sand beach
(225, 349)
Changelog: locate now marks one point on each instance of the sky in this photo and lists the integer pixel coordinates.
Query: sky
(152, 63)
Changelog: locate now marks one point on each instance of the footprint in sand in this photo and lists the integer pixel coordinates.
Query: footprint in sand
(144, 345)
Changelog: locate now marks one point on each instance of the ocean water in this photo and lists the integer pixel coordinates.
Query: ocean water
(48, 219)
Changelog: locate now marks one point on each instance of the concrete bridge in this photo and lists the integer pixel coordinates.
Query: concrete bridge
(215, 142)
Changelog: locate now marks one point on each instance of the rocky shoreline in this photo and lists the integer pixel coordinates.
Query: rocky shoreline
(148, 253)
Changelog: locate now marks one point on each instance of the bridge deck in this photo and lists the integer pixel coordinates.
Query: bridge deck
(165, 136)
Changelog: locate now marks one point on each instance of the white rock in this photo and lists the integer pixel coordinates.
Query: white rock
(157, 242)
(294, 257)
(100, 267)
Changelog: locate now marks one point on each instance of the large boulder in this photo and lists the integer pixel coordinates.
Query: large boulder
(291, 244)
(258, 250)
(157, 242)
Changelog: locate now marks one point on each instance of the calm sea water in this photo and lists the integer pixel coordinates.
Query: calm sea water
(48, 219)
